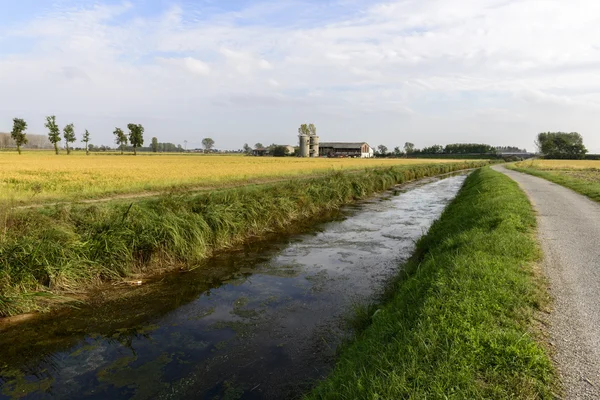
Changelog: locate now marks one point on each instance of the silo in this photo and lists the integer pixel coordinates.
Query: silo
(304, 145)
(314, 146)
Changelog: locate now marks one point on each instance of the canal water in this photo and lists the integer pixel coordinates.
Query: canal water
(262, 322)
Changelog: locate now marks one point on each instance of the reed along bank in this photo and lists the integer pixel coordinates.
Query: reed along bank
(459, 323)
(49, 253)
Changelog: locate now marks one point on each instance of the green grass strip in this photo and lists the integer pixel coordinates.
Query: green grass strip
(585, 187)
(459, 324)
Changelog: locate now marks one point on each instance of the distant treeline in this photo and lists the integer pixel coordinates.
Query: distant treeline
(35, 142)
(161, 147)
(465, 150)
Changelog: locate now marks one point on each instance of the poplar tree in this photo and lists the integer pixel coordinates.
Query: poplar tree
(136, 136)
(86, 140)
(120, 138)
(18, 133)
(69, 135)
(54, 132)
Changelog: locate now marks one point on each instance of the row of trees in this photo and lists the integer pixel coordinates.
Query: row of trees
(18, 134)
(409, 149)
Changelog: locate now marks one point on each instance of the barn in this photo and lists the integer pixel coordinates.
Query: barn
(345, 149)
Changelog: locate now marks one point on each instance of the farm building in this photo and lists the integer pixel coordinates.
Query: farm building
(268, 151)
(345, 149)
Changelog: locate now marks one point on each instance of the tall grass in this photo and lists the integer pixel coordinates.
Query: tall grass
(67, 248)
(458, 325)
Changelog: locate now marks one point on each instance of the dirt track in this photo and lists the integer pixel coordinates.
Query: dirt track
(569, 232)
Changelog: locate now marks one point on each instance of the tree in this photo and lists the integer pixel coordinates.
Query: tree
(307, 129)
(136, 136)
(69, 135)
(208, 143)
(561, 145)
(18, 133)
(398, 152)
(155, 144)
(86, 140)
(54, 131)
(185, 145)
(279, 151)
(435, 149)
(120, 138)
(258, 145)
(409, 147)
(469, 148)
(247, 149)
(382, 150)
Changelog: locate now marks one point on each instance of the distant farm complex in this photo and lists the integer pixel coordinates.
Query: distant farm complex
(310, 146)
(346, 149)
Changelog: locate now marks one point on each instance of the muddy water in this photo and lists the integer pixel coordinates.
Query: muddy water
(260, 322)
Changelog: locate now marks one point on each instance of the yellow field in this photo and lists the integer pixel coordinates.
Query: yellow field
(560, 164)
(43, 176)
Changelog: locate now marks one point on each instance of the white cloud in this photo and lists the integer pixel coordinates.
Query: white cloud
(425, 71)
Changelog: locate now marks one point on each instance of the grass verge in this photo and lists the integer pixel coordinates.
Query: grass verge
(459, 323)
(585, 182)
(66, 248)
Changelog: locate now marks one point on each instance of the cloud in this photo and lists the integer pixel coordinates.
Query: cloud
(433, 69)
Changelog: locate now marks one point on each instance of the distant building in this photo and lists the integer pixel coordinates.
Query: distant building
(267, 151)
(290, 149)
(309, 146)
(345, 149)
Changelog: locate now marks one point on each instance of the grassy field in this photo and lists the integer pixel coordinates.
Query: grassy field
(42, 176)
(65, 248)
(583, 176)
(458, 324)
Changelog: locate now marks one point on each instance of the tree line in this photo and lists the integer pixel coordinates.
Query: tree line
(133, 140)
(409, 149)
(18, 134)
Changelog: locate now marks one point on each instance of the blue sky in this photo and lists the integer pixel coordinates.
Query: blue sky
(435, 71)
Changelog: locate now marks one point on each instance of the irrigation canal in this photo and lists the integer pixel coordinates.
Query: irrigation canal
(260, 322)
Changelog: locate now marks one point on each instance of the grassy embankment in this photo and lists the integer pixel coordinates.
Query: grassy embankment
(582, 176)
(459, 323)
(66, 248)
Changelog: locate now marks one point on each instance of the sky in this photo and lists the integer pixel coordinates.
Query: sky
(423, 71)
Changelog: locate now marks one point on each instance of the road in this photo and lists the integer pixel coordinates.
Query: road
(569, 233)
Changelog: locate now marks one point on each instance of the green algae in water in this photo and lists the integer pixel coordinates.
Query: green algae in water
(17, 386)
(145, 379)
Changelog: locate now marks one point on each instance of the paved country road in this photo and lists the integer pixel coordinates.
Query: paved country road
(569, 232)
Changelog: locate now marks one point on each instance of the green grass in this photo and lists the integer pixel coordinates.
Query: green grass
(66, 248)
(458, 324)
(585, 182)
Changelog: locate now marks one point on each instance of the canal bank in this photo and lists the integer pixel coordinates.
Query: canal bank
(463, 319)
(264, 321)
(51, 254)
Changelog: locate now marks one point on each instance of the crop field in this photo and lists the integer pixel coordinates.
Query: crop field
(564, 165)
(583, 176)
(37, 177)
